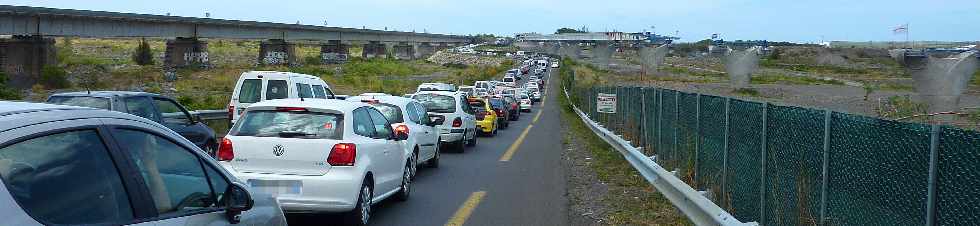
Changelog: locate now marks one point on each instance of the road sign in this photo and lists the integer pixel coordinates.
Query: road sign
(606, 103)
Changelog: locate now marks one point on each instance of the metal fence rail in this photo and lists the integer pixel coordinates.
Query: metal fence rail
(785, 165)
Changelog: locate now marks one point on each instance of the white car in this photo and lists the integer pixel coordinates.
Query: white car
(554, 64)
(509, 81)
(525, 102)
(459, 122)
(486, 85)
(319, 156)
(535, 94)
(256, 86)
(436, 87)
(468, 90)
(409, 116)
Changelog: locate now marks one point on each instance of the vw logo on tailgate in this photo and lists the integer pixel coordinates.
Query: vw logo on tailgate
(278, 150)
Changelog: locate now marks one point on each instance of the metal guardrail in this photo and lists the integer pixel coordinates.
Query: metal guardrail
(211, 114)
(699, 209)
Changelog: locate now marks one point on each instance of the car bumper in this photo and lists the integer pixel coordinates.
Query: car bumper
(335, 191)
(525, 107)
(449, 137)
(485, 126)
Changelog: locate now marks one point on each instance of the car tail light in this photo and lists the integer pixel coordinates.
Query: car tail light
(290, 109)
(225, 150)
(402, 128)
(500, 112)
(457, 122)
(342, 154)
(481, 115)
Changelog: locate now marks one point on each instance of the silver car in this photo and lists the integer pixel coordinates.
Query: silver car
(74, 165)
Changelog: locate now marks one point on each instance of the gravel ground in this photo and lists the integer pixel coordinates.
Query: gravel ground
(585, 191)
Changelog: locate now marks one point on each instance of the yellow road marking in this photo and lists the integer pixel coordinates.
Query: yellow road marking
(464, 211)
(537, 116)
(517, 143)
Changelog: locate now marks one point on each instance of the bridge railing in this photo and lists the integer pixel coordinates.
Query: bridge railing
(785, 165)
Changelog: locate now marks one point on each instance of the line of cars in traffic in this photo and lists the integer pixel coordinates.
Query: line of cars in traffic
(293, 147)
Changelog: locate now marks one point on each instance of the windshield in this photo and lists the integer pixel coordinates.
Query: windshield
(92, 102)
(437, 103)
(290, 124)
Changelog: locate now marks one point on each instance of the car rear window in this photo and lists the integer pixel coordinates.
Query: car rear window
(391, 112)
(508, 79)
(477, 105)
(497, 103)
(92, 102)
(437, 103)
(295, 124)
(251, 91)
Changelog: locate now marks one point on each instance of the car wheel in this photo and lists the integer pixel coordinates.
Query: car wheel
(434, 162)
(361, 213)
(460, 145)
(472, 141)
(406, 187)
(495, 128)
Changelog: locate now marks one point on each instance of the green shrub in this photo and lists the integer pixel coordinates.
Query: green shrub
(143, 55)
(5, 92)
(54, 77)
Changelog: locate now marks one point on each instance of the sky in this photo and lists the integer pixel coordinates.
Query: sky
(775, 20)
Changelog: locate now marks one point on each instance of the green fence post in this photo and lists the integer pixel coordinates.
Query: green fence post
(762, 188)
(933, 175)
(697, 136)
(724, 157)
(643, 121)
(826, 163)
(677, 105)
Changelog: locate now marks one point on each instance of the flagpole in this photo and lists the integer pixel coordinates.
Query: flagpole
(908, 34)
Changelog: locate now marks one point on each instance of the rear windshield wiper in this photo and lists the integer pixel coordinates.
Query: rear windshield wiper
(288, 134)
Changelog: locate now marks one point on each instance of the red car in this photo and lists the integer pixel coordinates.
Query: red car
(513, 107)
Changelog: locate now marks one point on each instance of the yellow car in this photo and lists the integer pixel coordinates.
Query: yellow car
(486, 119)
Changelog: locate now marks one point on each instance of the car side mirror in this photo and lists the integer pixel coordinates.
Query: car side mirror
(238, 200)
(197, 118)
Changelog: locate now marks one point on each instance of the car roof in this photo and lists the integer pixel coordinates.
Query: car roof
(397, 100)
(324, 104)
(268, 73)
(444, 93)
(106, 94)
(19, 114)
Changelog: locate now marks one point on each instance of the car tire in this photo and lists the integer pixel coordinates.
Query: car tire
(495, 128)
(361, 214)
(405, 190)
(472, 141)
(460, 146)
(434, 162)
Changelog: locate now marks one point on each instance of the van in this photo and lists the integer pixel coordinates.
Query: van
(256, 86)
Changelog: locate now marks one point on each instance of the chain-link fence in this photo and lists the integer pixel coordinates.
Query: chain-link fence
(785, 165)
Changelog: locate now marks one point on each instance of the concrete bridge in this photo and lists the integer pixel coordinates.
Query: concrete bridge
(30, 46)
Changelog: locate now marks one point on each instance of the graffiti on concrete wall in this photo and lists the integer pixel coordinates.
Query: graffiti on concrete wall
(195, 57)
(333, 57)
(275, 58)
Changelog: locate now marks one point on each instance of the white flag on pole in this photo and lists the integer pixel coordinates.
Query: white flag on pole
(901, 29)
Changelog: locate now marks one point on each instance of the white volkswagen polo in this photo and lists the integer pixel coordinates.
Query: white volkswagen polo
(409, 116)
(319, 155)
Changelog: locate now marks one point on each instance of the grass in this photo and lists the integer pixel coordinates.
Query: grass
(791, 80)
(747, 92)
(630, 199)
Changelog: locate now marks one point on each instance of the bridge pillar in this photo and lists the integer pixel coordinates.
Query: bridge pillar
(602, 52)
(424, 50)
(23, 57)
(186, 52)
(374, 49)
(277, 52)
(404, 51)
(334, 52)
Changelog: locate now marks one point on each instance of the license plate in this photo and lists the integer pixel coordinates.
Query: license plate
(277, 187)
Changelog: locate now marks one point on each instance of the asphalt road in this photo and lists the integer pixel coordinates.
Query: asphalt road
(504, 180)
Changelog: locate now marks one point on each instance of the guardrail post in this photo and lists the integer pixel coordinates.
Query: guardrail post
(826, 163)
(697, 135)
(724, 156)
(933, 174)
(762, 189)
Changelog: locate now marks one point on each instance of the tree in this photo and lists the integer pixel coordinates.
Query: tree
(143, 54)
(567, 30)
